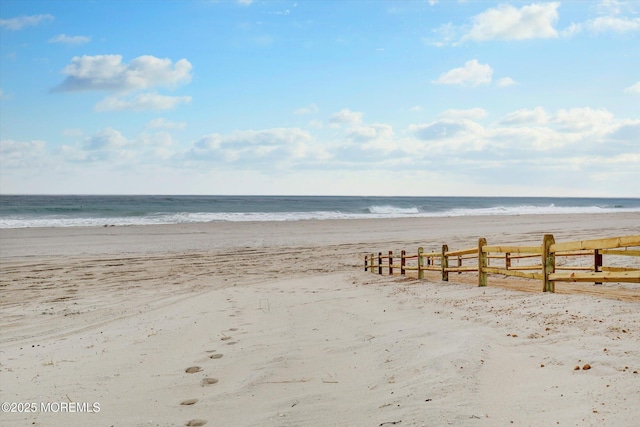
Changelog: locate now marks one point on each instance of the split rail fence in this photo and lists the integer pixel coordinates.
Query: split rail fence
(530, 262)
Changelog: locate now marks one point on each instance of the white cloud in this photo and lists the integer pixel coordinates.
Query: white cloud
(370, 132)
(446, 130)
(506, 22)
(154, 147)
(17, 154)
(109, 73)
(162, 123)
(604, 24)
(245, 2)
(612, 24)
(572, 30)
(506, 82)
(24, 21)
(345, 116)
(609, 7)
(105, 139)
(141, 102)
(107, 145)
(310, 109)
(248, 148)
(370, 141)
(584, 119)
(63, 38)
(472, 113)
(525, 137)
(611, 20)
(473, 73)
(537, 116)
(157, 139)
(634, 88)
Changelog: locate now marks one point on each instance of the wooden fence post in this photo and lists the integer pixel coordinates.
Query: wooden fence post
(444, 263)
(420, 263)
(482, 262)
(597, 263)
(402, 262)
(366, 263)
(390, 263)
(379, 262)
(507, 261)
(548, 263)
(372, 258)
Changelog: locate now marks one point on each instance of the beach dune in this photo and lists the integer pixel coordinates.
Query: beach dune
(277, 324)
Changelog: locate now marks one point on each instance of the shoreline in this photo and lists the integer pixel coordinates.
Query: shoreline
(18, 242)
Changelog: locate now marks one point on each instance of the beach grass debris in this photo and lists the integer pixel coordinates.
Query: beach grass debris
(196, 423)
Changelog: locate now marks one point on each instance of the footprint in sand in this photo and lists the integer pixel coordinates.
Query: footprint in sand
(189, 402)
(193, 369)
(194, 423)
(233, 329)
(232, 343)
(209, 381)
(225, 338)
(216, 356)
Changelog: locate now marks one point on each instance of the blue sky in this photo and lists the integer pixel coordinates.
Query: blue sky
(425, 98)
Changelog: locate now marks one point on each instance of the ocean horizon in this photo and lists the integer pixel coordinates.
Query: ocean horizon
(20, 211)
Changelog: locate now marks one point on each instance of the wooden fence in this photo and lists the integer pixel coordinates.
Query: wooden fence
(529, 262)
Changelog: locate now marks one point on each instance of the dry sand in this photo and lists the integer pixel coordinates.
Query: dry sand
(277, 324)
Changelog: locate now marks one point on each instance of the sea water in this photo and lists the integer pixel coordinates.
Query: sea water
(18, 211)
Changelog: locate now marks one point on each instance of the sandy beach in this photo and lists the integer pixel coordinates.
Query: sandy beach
(277, 324)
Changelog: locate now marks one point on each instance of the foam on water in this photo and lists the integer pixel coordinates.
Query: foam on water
(393, 210)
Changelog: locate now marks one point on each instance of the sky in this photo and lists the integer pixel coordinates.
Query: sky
(320, 97)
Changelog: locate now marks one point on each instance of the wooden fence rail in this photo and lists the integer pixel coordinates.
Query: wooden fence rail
(539, 262)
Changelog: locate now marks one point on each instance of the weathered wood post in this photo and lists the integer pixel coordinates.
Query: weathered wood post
(372, 258)
(379, 262)
(366, 263)
(420, 263)
(483, 257)
(402, 262)
(459, 263)
(390, 263)
(507, 260)
(548, 263)
(444, 263)
(597, 263)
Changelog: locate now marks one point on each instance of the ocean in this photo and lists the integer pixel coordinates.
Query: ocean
(19, 211)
